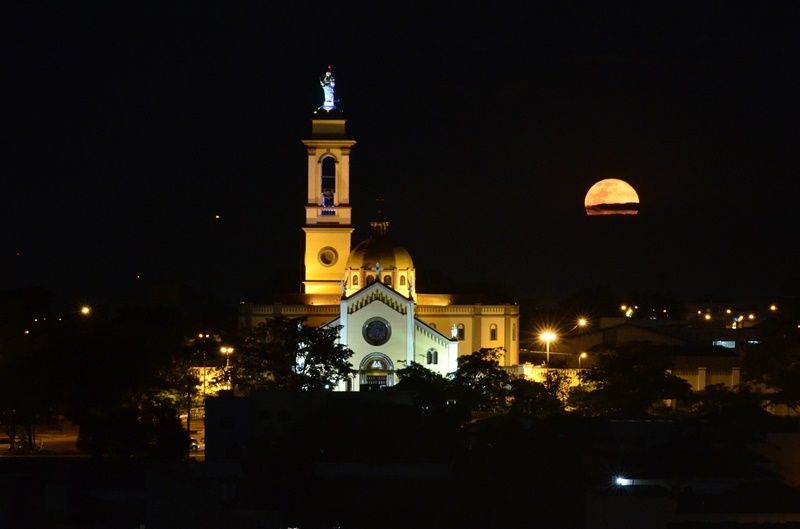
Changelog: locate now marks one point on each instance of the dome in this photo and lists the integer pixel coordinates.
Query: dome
(379, 249)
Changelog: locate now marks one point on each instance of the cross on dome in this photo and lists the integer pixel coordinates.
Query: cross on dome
(377, 269)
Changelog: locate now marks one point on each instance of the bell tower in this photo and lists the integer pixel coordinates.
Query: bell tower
(328, 212)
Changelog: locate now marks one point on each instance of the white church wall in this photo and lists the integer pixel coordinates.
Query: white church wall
(395, 348)
(426, 339)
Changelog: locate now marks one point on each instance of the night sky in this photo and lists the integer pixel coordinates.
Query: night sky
(130, 126)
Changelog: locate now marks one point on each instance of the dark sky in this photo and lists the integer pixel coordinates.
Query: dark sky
(129, 126)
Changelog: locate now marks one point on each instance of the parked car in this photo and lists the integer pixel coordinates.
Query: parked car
(194, 444)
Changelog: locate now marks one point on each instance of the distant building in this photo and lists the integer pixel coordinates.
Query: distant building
(370, 289)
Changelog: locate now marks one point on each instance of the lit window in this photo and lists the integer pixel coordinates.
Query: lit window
(402, 281)
(387, 280)
(355, 281)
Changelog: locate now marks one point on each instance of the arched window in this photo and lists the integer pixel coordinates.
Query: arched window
(387, 280)
(493, 332)
(355, 281)
(370, 280)
(432, 356)
(328, 183)
(461, 331)
(402, 281)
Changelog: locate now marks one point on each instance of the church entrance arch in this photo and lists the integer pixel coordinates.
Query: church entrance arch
(376, 371)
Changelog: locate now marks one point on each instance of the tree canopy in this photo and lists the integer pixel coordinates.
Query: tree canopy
(480, 382)
(285, 354)
(629, 381)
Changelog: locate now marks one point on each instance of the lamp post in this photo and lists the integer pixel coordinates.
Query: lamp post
(581, 357)
(548, 337)
(227, 352)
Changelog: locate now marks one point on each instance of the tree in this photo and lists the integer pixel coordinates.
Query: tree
(129, 375)
(628, 381)
(30, 380)
(286, 354)
(540, 399)
(775, 362)
(480, 383)
(417, 377)
(718, 400)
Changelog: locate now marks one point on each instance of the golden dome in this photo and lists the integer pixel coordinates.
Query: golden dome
(379, 249)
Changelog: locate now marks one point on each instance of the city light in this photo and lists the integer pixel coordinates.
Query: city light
(547, 337)
(227, 352)
(86, 310)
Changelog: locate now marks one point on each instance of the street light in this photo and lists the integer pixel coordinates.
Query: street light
(581, 357)
(548, 337)
(227, 352)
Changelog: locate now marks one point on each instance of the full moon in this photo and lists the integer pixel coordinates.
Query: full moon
(612, 197)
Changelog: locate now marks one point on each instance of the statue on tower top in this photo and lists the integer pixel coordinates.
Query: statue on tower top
(328, 83)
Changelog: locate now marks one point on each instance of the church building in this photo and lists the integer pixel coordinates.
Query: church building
(368, 290)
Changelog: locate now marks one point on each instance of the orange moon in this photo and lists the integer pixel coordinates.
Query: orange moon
(611, 197)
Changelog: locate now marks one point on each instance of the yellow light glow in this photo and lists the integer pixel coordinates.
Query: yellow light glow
(708, 317)
(582, 322)
(624, 307)
(548, 336)
(85, 310)
(751, 316)
(773, 308)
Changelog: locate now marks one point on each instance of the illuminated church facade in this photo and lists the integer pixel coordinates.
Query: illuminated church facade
(368, 290)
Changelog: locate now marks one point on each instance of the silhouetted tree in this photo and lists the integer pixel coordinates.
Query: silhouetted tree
(775, 362)
(29, 379)
(627, 381)
(285, 354)
(539, 399)
(480, 382)
(416, 377)
(718, 400)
